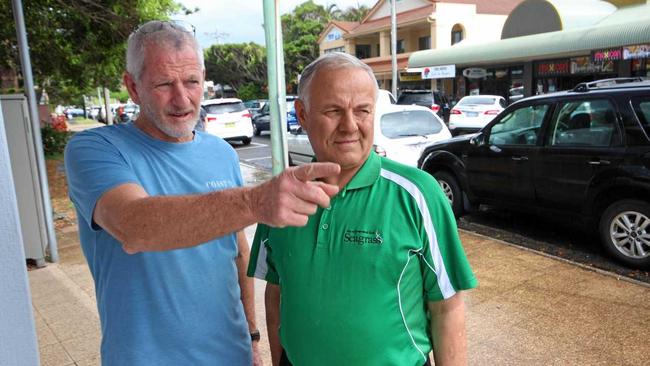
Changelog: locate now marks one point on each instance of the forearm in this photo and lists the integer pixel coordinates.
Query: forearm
(246, 283)
(448, 331)
(272, 304)
(158, 223)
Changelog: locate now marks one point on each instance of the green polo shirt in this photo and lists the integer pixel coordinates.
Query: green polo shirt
(355, 281)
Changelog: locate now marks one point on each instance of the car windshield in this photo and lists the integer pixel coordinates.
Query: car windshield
(477, 100)
(409, 123)
(414, 98)
(225, 108)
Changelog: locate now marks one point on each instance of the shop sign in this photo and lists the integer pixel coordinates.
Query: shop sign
(635, 52)
(553, 68)
(606, 55)
(405, 76)
(439, 72)
(474, 73)
(584, 65)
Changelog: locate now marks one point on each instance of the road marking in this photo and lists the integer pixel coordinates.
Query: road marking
(257, 146)
(262, 158)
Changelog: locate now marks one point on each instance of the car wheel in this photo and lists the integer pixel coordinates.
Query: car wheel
(246, 141)
(256, 131)
(452, 191)
(625, 232)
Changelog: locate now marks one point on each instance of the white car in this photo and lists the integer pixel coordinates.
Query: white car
(402, 132)
(473, 112)
(229, 119)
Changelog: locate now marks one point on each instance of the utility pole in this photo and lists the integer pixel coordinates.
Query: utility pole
(393, 44)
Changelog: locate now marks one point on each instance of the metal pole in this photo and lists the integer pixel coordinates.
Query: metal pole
(277, 97)
(393, 44)
(26, 66)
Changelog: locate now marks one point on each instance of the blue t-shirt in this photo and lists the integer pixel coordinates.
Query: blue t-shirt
(178, 307)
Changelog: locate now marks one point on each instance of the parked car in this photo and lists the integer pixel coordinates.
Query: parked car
(73, 112)
(580, 155)
(515, 94)
(401, 133)
(435, 100)
(255, 105)
(262, 122)
(473, 112)
(229, 119)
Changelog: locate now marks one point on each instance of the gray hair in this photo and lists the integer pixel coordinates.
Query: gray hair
(160, 33)
(331, 61)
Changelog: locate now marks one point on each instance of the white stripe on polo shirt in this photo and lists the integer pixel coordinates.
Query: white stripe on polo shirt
(444, 284)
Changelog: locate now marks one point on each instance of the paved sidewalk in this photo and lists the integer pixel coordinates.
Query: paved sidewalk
(529, 309)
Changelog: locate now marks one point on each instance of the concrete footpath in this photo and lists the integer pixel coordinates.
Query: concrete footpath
(529, 309)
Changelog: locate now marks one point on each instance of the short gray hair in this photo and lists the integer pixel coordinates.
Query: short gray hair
(160, 33)
(331, 61)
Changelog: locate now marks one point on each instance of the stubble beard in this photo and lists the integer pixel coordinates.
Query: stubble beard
(178, 131)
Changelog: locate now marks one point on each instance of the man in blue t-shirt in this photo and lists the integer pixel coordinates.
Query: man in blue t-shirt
(161, 210)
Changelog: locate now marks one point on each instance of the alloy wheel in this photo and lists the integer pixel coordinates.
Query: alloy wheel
(630, 233)
(446, 189)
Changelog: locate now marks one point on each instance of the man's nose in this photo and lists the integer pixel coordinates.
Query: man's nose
(180, 95)
(348, 122)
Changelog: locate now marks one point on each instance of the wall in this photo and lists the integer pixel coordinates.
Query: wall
(18, 346)
(478, 27)
(400, 6)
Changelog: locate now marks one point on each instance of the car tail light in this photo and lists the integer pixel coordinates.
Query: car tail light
(455, 111)
(247, 115)
(435, 107)
(379, 150)
(492, 112)
(211, 119)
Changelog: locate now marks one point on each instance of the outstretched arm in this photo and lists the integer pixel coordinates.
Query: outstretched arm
(448, 331)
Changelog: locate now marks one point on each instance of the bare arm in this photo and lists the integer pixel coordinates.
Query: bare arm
(247, 291)
(155, 223)
(448, 331)
(272, 304)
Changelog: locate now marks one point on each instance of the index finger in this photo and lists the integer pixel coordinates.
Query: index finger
(313, 171)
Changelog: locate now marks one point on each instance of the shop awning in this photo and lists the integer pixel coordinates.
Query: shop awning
(634, 29)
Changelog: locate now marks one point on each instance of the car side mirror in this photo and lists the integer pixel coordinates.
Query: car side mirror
(477, 140)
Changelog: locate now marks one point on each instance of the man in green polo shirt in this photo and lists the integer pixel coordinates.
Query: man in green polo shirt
(374, 279)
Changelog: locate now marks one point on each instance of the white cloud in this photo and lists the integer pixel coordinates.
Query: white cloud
(241, 21)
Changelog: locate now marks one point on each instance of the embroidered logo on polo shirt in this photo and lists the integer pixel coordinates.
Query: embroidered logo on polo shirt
(361, 237)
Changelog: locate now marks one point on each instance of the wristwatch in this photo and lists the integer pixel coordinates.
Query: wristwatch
(255, 335)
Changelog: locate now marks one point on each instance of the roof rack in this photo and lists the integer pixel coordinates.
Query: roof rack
(584, 87)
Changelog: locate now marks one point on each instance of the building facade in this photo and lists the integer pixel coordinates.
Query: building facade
(551, 45)
(421, 25)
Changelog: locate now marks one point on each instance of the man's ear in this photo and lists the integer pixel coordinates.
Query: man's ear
(301, 113)
(130, 84)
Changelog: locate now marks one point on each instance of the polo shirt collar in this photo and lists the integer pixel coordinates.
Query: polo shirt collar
(367, 174)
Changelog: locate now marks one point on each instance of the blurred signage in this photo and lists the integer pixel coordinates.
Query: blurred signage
(501, 73)
(584, 65)
(439, 72)
(636, 52)
(553, 68)
(474, 73)
(606, 55)
(409, 76)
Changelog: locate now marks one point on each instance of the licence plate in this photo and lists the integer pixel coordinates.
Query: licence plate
(230, 124)
(472, 114)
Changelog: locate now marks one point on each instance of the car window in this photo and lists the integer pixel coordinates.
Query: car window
(415, 98)
(409, 123)
(519, 127)
(642, 109)
(225, 108)
(477, 100)
(584, 123)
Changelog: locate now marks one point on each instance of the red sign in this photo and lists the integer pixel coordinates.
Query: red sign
(553, 68)
(607, 55)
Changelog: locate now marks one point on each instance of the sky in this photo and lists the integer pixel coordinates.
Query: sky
(233, 21)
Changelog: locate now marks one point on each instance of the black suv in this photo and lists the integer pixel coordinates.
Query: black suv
(427, 98)
(583, 154)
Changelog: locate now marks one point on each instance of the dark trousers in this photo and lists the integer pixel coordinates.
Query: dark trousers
(284, 361)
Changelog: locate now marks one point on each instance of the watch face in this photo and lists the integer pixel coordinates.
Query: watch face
(255, 335)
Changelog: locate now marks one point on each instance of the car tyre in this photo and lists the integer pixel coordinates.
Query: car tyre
(246, 141)
(452, 191)
(625, 232)
(256, 131)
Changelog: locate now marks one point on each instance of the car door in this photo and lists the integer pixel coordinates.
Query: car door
(583, 141)
(500, 169)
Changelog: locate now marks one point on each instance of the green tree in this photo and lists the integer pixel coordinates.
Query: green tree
(353, 14)
(300, 31)
(236, 65)
(77, 45)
